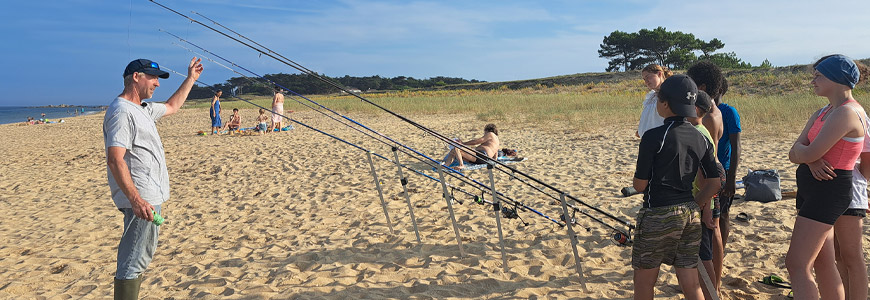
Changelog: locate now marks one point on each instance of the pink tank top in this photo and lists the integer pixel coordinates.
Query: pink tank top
(845, 152)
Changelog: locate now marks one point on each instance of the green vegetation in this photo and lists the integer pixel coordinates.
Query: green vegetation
(308, 85)
(676, 50)
(774, 101)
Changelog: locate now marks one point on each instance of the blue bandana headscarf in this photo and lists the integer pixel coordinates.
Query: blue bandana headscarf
(840, 69)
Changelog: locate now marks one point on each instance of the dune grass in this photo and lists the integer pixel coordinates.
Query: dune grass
(768, 104)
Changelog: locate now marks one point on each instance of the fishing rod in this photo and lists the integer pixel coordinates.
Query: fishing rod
(453, 187)
(304, 70)
(421, 127)
(300, 95)
(347, 125)
(481, 185)
(296, 65)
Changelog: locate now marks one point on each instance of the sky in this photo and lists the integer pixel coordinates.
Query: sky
(74, 51)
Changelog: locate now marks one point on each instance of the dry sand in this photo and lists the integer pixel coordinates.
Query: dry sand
(296, 215)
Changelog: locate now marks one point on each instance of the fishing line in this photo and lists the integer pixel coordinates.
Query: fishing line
(421, 127)
(331, 117)
(130, 24)
(482, 186)
(374, 153)
(309, 72)
(317, 110)
(431, 164)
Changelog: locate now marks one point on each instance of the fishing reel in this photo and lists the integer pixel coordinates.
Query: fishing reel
(622, 239)
(509, 213)
(573, 220)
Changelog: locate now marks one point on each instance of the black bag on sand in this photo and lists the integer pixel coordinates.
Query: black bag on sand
(762, 186)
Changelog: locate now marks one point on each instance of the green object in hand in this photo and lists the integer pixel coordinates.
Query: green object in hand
(157, 219)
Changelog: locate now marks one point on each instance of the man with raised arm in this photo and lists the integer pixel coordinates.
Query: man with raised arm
(136, 165)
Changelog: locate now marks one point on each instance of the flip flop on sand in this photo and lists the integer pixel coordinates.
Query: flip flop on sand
(743, 217)
(775, 281)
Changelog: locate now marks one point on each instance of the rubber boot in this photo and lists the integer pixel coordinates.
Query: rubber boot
(127, 289)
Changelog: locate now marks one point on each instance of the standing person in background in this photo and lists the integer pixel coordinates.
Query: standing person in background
(848, 248)
(136, 165)
(277, 109)
(710, 236)
(835, 134)
(668, 224)
(729, 157)
(709, 78)
(653, 76)
(215, 113)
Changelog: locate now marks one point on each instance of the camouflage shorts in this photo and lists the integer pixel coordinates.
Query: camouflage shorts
(669, 235)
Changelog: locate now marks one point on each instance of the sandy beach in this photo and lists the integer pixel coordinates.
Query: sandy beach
(295, 215)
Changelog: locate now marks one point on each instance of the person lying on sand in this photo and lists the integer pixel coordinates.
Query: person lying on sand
(486, 145)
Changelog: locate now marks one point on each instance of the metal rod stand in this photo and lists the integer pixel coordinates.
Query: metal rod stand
(405, 191)
(569, 221)
(380, 192)
(496, 204)
(449, 199)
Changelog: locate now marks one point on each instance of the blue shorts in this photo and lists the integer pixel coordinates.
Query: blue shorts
(262, 126)
(137, 245)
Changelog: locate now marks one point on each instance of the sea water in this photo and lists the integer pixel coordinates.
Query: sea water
(18, 114)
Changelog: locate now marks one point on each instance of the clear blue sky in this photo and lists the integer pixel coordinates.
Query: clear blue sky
(74, 51)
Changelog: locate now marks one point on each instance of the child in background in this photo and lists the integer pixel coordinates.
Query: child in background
(668, 227)
(235, 121)
(653, 76)
(262, 122)
(711, 238)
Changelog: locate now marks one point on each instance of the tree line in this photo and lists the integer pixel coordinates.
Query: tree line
(309, 85)
(676, 50)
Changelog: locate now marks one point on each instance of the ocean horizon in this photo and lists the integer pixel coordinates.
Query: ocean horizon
(19, 114)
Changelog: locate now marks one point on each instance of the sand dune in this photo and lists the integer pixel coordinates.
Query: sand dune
(295, 215)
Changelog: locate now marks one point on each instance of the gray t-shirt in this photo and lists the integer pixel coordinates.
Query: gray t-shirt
(134, 128)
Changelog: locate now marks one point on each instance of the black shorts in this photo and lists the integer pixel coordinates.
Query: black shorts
(724, 203)
(857, 212)
(823, 201)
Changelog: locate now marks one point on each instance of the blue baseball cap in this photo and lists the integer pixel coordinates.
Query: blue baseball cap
(145, 66)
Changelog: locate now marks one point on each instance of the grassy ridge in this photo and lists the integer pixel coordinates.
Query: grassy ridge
(772, 101)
